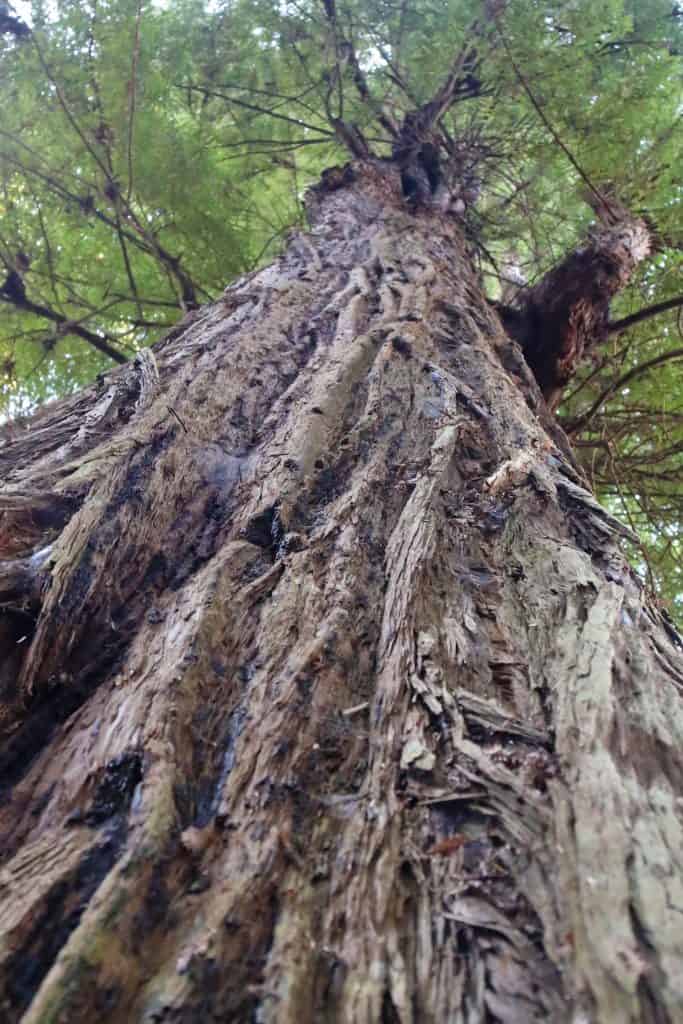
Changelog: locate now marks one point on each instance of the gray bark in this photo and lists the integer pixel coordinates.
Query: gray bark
(336, 697)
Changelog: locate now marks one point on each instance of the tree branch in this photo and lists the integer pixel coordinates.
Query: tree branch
(581, 422)
(418, 124)
(65, 107)
(69, 327)
(127, 264)
(566, 312)
(257, 109)
(132, 85)
(617, 326)
(348, 53)
(602, 202)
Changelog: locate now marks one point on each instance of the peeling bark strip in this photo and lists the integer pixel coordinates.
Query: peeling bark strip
(337, 700)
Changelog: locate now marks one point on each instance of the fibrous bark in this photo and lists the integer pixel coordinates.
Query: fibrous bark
(337, 700)
(567, 313)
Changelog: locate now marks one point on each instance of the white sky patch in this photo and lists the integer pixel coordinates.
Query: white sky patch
(22, 8)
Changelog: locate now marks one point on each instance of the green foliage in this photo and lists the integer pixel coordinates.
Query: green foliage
(109, 159)
(152, 151)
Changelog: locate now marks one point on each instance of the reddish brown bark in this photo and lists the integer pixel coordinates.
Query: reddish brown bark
(567, 313)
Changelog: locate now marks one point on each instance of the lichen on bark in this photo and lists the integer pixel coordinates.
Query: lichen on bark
(338, 700)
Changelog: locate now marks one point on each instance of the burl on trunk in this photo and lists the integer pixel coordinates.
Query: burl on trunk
(328, 694)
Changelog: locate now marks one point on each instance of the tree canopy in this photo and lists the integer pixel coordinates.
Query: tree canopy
(151, 152)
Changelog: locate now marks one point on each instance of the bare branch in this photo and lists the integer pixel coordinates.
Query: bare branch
(257, 109)
(600, 198)
(16, 297)
(581, 422)
(419, 123)
(617, 326)
(347, 54)
(132, 84)
(271, 94)
(65, 107)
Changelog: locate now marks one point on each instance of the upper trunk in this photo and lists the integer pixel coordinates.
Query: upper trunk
(336, 698)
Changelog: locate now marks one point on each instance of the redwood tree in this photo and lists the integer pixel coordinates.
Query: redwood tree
(328, 693)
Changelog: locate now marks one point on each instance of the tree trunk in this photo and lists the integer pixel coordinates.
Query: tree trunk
(328, 694)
